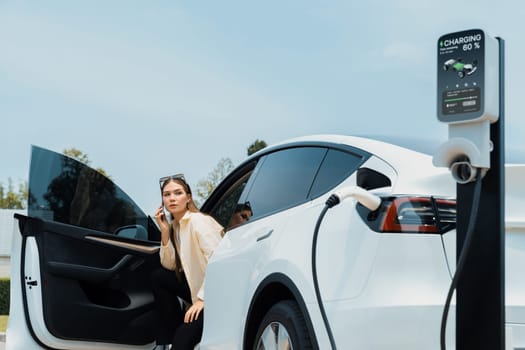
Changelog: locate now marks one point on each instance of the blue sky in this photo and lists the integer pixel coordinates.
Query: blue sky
(149, 88)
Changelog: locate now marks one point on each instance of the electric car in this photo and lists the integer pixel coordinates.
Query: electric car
(371, 272)
(461, 68)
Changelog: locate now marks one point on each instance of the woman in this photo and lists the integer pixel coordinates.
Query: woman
(188, 239)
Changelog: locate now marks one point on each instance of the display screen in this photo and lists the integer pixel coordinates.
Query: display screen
(460, 61)
(460, 101)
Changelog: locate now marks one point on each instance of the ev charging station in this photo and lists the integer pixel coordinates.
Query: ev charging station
(470, 99)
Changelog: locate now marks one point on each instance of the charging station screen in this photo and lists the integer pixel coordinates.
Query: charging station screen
(460, 101)
(460, 75)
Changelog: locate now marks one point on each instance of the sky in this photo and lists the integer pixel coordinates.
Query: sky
(151, 88)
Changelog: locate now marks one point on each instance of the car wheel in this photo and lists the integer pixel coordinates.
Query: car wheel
(283, 328)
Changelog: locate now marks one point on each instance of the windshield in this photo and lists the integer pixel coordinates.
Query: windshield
(65, 190)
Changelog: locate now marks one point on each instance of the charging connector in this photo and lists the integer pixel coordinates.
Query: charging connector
(464, 172)
(368, 200)
(465, 155)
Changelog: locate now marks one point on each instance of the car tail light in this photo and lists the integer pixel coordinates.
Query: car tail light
(412, 214)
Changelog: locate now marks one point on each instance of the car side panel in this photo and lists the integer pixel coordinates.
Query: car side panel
(231, 280)
(402, 302)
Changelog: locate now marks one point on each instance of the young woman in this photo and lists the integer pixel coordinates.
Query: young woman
(188, 240)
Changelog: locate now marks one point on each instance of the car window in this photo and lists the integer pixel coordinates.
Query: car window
(65, 190)
(283, 179)
(336, 166)
(225, 206)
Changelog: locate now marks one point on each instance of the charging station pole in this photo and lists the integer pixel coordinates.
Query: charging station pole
(480, 293)
(471, 100)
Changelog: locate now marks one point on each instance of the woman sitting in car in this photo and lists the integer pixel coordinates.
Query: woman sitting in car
(189, 238)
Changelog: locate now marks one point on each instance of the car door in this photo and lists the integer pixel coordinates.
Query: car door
(87, 254)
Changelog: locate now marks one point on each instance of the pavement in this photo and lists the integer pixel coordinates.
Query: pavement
(5, 267)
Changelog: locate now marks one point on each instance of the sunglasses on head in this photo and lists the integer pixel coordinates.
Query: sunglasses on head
(163, 179)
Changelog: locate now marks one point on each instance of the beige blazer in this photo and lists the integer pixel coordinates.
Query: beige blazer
(199, 235)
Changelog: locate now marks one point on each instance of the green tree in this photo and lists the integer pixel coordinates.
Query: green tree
(11, 199)
(83, 158)
(256, 146)
(77, 154)
(206, 186)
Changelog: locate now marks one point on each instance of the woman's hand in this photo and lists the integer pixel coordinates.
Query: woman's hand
(194, 311)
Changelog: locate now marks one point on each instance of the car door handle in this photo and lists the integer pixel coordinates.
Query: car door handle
(266, 235)
(87, 273)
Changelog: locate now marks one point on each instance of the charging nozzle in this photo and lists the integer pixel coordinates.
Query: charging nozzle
(466, 152)
(364, 197)
(464, 172)
(367, 199)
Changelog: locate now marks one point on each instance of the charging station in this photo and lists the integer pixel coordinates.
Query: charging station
(470, 99)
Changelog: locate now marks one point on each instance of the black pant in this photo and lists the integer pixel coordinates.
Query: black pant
(170, 327)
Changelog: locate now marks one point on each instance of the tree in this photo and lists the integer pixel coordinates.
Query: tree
(12, 199)
(77, 154)
(256, 146)
(206, 186)
(83, 158)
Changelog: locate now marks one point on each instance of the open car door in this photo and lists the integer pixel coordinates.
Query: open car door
(87, 253)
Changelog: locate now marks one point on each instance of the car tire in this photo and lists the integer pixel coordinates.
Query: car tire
(282, 328)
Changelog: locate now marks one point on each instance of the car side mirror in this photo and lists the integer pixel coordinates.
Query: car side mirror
(132, 231)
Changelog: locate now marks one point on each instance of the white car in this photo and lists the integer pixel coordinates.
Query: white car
(82, 258)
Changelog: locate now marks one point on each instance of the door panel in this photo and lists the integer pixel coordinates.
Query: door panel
(89, 251)
(94, 286)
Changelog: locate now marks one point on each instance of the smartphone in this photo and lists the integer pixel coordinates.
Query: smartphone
(167, 214)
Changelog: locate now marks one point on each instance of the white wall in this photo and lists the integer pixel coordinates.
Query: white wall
(7, 225)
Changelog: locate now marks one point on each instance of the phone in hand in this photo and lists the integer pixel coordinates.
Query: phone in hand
(167, 214)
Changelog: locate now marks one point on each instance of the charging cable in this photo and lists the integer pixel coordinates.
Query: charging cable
(369, 200)
(462, 257)
(333, 200)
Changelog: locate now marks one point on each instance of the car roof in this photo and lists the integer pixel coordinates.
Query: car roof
(415, 170)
